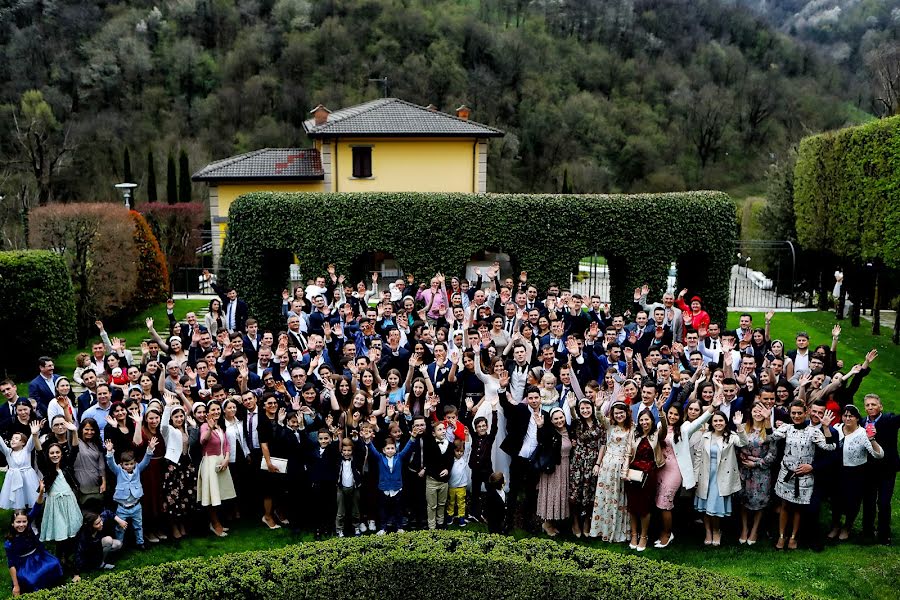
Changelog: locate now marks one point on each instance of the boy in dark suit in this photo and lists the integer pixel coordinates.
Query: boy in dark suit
(322, 469)
(495, 504)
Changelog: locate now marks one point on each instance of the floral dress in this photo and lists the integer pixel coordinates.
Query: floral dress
(582, 483)
(757, 480)
(610, 519)
(799, 448)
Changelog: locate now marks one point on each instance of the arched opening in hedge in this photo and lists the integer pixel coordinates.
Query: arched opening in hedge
(374, 261)
(546, 235)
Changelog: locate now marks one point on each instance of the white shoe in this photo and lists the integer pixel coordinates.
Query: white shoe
(380, 532)
(361, 528)
(340, 533)
(401, 531)
(371, 524)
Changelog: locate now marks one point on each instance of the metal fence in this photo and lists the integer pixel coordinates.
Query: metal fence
(193, 281)
(762, 277)
(592, 279)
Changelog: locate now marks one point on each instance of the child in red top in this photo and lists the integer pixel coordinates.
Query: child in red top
(695, 318)
(455, 429)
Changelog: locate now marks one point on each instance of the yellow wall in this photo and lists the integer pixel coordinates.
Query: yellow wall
(416, 164)
(228, 192)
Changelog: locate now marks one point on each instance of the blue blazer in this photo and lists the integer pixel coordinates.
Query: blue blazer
(389, 480)
(128, 484)
(38, 390)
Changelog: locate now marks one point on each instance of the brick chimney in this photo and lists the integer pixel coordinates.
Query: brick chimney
(463, 112)
(320, 114)
(432, 107)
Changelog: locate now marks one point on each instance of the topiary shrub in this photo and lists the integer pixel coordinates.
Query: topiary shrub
(545, 235)
(38, 308)
(436, 565)
(153, 275)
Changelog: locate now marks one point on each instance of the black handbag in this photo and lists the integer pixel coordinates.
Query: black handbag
(542, 461)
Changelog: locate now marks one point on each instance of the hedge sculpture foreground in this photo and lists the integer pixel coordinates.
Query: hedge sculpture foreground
(433, 565)
(546, 235)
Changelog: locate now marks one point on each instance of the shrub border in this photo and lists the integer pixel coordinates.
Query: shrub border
(545, 235)
(457, 565)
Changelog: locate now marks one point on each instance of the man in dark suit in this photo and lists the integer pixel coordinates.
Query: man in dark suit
(522, 423)
(88, 397)
(252, 340)
(235, 309)
(881, 474)
(8, 409)
(43, 387)
(640, 334)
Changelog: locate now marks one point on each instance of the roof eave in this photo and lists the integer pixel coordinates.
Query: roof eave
(232, 178)
(486, 134)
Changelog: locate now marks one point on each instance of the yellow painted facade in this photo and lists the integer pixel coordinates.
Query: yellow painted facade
(407, 165)
(226, 193)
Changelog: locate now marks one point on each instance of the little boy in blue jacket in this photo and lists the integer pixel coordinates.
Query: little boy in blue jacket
(129, 490)
(390, 479)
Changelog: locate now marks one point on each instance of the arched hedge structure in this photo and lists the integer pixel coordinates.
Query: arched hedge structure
(434, 565)
(546, 235)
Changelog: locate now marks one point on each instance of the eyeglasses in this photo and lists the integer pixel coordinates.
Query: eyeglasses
(268, 379)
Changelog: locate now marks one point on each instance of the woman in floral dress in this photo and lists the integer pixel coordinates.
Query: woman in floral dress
(588, 439)
(610, 519)
(756, 460)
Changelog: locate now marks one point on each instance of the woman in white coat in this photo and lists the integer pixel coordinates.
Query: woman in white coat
(718, 474)
(678, 471)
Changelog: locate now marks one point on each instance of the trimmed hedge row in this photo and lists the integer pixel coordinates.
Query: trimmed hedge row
(847, 192)
(38, 310)
(545, 235)
(436, 565)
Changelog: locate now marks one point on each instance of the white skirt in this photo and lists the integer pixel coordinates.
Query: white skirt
(214, 486)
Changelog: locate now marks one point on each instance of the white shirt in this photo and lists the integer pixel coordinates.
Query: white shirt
(801, 361)
(529, 444)
(346, 474)
(252, 423)
(229, 315)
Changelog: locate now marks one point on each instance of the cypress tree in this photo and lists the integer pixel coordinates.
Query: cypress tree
(171, 181)
(184, 178)
(126, 168)
(151, 178)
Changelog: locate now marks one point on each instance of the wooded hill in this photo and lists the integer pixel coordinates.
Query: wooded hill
(612, 95)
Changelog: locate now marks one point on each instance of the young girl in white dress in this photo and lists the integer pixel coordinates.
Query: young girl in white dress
(20, 488)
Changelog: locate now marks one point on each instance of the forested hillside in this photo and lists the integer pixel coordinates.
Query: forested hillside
(619, 95)
(862, 36)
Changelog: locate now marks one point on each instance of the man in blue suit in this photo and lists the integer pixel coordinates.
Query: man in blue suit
(43, 387)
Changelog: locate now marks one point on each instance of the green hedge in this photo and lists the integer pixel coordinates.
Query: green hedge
(432, 565)
(38, 310)
(545, 235)
(847, 192)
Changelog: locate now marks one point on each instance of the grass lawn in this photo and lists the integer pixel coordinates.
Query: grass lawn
(846, 571)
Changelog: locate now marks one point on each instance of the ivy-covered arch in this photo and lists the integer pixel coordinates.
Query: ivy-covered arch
(640, 235)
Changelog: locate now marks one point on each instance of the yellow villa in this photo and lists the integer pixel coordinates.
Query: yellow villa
(386, 145)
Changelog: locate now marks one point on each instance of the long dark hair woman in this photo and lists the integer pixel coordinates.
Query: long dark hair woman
(89, 464)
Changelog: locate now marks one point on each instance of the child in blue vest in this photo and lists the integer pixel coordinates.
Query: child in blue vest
(129, 490)
(390, 478)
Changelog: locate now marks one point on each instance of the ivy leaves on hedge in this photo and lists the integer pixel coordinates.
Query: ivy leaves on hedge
(479, 565)
(847, 192)
(546, 235)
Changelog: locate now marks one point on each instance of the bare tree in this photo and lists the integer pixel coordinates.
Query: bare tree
(43, 142)
(884, 64)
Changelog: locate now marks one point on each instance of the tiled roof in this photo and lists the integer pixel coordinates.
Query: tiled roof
(392, 117)
(268, 163)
